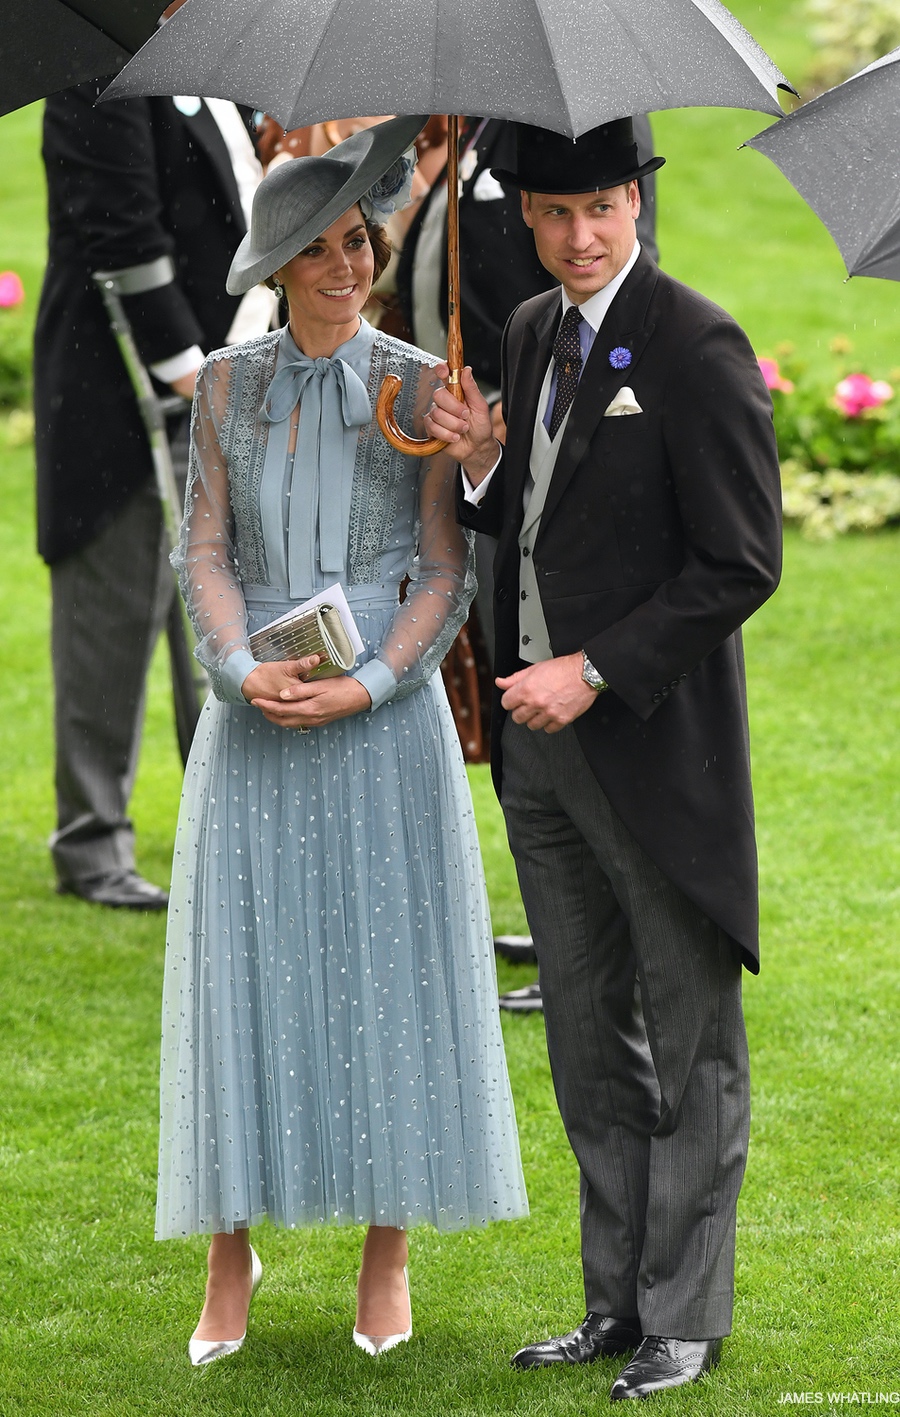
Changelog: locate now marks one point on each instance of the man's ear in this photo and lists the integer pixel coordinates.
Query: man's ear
(634, 197)
(526, 209)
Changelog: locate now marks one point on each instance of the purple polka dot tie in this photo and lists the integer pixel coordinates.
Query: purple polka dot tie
(567, 357)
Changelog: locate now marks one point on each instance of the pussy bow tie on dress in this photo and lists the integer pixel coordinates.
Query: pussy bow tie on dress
(334, 398)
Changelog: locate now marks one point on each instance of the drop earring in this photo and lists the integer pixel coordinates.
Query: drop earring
(279, 290)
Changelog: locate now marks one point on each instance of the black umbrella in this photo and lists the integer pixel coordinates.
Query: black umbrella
(47, 45)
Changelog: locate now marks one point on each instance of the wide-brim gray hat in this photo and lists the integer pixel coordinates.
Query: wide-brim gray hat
(301, 198)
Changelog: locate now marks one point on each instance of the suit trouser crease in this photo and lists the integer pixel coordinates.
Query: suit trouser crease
(110, 600)
(645, 1031)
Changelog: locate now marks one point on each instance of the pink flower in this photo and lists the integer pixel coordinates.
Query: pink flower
(772, 375)
(11, 290)
(858, 391)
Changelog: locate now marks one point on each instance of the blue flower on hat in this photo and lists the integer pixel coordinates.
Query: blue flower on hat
(392, 190)
(620, 357)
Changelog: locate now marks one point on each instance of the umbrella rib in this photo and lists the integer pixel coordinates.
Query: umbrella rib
(552, 53)
(88, 20)
(754, 56)
(310, 68)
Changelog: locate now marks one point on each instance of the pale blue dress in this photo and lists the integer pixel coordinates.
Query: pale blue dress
(331, 1044)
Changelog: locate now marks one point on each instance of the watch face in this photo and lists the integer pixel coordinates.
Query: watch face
(593, 677)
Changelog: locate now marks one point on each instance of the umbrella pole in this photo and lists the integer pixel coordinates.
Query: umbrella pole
(391, 384)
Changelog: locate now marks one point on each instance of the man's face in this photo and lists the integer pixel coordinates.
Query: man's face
(583, 239)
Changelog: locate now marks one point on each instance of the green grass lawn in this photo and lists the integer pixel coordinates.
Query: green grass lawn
(94, 1316)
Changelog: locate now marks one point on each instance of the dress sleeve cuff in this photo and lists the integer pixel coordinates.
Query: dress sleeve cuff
(377, 680)
(233, 673)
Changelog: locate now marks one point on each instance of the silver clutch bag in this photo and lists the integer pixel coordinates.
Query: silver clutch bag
(316, 630)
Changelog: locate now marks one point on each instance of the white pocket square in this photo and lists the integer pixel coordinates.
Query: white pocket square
(624, 402)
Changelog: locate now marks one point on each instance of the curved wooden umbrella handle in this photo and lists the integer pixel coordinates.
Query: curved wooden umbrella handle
(391, 385)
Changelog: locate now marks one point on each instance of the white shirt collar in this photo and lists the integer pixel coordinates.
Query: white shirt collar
(594, 309)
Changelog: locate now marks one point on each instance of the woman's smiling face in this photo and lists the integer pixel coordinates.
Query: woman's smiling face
(328, 282)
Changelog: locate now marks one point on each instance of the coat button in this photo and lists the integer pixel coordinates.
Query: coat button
(526, 639)
(525, 551)
(502, 594)
(524, 594)
(657, 698)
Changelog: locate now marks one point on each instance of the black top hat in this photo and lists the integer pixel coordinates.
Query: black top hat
(603, 157)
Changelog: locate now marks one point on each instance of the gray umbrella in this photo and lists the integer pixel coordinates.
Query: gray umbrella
(567, 65)
(842, 153)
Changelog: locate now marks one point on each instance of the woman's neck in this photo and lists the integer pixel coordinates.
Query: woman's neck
(321, 342)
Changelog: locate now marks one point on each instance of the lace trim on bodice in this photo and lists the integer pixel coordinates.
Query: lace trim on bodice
(244, 438)
(379, 467)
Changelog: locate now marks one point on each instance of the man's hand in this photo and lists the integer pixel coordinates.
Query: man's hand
(280, 691)
(465, 427)
(548, 695)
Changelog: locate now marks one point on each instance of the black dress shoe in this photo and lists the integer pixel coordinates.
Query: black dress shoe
(527, 1000)
(122, 890)
(661, 1363)
(518, 949)
(596, 1337)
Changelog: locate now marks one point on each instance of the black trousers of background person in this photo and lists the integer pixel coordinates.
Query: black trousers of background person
(652, 1082)
(109, 603)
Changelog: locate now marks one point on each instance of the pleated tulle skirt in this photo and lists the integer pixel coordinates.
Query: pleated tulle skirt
(331, 1045)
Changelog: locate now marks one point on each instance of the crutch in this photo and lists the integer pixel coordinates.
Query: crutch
(189, 682)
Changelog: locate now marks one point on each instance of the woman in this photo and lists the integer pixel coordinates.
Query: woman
(331, 1048)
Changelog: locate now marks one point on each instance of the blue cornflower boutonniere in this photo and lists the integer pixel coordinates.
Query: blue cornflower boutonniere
(620, 357)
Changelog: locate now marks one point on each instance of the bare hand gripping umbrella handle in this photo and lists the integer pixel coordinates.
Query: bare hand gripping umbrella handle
(391, 384)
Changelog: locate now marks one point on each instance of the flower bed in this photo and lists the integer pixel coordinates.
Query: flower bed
(839, 446)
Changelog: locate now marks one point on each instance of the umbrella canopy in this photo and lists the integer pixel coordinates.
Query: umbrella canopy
(558, 65)
(842, 153)
(46, 45)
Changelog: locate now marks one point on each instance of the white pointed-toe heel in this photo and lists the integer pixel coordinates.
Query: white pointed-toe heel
(373, 1344)
(207, 1350)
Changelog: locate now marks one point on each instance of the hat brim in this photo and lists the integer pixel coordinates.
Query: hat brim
(372, 150)
(503, 175)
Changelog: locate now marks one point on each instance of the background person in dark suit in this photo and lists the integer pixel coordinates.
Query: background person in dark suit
(156, 188)
(637, 511)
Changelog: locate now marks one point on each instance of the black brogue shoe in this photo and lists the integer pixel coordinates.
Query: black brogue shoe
(661, 1363)
(596, 1337)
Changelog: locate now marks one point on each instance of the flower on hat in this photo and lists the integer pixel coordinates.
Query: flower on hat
(858, 392)
(392, 190)
(772, 376)
(620, 357)
(11, 290)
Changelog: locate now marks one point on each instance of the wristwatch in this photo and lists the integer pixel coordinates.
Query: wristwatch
(592, 676)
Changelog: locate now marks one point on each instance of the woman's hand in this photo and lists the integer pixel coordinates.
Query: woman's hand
(290, 702)
(278, 679)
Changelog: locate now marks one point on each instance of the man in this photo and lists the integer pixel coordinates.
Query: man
(157, 190)
(637, 511)
(499, 268)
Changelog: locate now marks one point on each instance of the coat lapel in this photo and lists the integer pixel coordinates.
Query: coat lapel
(627, 327)
(204, 131)
(530, 365)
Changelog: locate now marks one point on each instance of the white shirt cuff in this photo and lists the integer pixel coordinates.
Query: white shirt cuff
(377, 680)
(168, 370)
(475, 495)
(233, 673)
